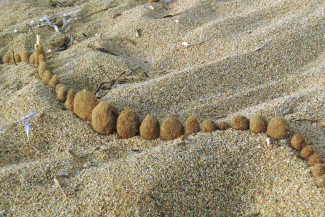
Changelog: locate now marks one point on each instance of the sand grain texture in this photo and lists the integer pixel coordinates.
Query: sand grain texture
(253, 57)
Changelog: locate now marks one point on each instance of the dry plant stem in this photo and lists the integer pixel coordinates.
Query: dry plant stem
(81, 161)
(105, 9)
(33, 147)
(13, 56)
(59, 184)
(321, 122)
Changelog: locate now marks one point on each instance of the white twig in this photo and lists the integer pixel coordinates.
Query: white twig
(27, 133)
(58, 183)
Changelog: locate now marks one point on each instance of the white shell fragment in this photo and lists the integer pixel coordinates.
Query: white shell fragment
(186, 44)
(268, 140)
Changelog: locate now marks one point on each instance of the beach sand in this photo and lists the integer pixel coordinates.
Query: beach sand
(212, 59)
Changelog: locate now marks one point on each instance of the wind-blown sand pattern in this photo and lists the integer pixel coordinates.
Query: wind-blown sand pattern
(211, 60)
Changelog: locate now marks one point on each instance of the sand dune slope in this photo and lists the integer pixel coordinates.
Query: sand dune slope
(212, 59)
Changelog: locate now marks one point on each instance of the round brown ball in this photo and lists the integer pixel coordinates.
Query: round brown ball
(54, 81)
(306, 152)
(171, 128)
(278, 128)
(57, 87)
(208, 126)
(240, 123)
(6, 59)
(62, 93)
(320, 182)
(32, 59)
(17, 58)
(192, 125)
(318, 170)
(149, 128)
(103, 117)
(83, 104)
(297, 141)
(257, 124)
(41, 69)
(24, 55)
(128, 123)
(314, 159)
(68, 104)
(222, 125)
(41, 58)
(46, 76)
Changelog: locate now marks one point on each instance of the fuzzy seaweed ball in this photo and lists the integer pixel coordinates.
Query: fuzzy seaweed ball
(192, 125)
(171, 128)
(6, 59)
(278, 128)
(239, 123)
(62, 93)
(314, 159)
(103, 117)
(297, 141)
(54, 81)
(24, 55)
(68, 104)
(46, 76)
(208, 126)
(128, 123)
(83, 104)
(320, 182)
(318, 170)
(306, 152)
(149, 128)
(257, 124)
(222, 125)
(17, 58)
(41, 69)
(32, 59)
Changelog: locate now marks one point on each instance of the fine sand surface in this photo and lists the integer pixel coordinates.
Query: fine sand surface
(213, 59)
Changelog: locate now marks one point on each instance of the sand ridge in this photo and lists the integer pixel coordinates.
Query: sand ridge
(182, 175)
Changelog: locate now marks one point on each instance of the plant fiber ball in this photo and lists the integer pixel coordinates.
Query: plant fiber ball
(62, 93)
(306, 152)
(278, 128)
(54, 81)
(192, 125)
(318, 170)
(222, 125)
(257, 124)
(68, 104)
(41, 69)
(171, 128)
(32, 59)
(314, 159)
(83, 104)
(46, 76)
(297, 141)
(58, 87)
(41, 58)
(239, 123)
(208, 126)
(149, 128)
(24, 55)
(103, 118)
(17, 58)
(128, 123)
(6, 59)
(320, 182)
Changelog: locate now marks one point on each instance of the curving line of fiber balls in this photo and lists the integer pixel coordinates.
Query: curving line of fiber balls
(105, 117)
